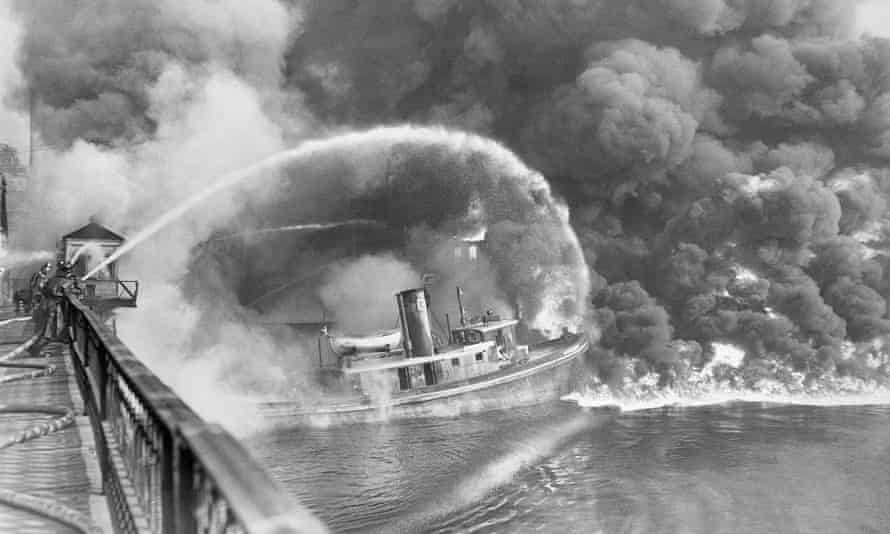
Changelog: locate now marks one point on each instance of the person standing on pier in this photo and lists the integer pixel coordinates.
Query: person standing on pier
(37, 284)
(54, 292)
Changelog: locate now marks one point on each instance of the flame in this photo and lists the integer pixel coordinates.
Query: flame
(475, 236)
(743, 274)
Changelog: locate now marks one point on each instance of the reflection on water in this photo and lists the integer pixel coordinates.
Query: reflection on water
(749, 468)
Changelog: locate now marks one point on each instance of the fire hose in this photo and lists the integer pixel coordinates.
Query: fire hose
(63, 418)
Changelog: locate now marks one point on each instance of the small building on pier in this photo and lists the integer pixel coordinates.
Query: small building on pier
(84, 249)
(89, 245)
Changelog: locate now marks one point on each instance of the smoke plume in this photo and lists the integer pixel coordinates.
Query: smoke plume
(724, 162)
(351, 292)
(13, 122)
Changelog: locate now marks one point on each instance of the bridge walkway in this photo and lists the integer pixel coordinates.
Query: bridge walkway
(61, 466)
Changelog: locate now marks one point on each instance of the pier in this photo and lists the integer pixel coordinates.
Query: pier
(92, 441)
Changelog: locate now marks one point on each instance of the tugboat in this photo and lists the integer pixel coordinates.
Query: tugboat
(409, 373)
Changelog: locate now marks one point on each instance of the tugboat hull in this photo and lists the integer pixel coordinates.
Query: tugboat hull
(547, 375)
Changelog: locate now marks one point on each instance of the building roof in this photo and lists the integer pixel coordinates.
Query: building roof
(94, 230)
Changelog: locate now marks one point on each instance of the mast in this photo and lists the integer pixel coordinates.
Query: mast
(4, 218)
(5, 281)
(460, 306)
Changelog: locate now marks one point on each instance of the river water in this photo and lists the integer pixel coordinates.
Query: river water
(735, 468)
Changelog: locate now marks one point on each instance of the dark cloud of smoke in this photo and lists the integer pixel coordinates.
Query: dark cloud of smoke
(89, 66)
(725, 160)
(633, 323)
(631, 115)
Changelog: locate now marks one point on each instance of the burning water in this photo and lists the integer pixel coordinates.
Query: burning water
(723, 380)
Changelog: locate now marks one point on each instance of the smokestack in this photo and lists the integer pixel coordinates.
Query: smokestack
(417, 334)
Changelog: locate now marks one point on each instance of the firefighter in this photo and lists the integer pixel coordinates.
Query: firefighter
(37, 300)
(53, 292)
(42, 276)
(37, 284)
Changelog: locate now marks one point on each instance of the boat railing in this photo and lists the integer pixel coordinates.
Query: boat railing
(164, 469)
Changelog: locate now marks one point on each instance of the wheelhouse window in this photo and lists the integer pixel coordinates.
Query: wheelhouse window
(468, 337)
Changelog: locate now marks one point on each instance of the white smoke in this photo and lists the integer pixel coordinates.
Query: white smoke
(185, 157)
(10, 259)
(209, 121)
(13, 123)
(247, 35)
(361, 293)
(873, 18)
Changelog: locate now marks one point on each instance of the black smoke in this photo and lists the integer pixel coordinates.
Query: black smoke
(725, 161)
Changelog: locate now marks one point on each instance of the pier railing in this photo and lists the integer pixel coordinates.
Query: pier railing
(118, 289)
(164, 469)
(109, 294)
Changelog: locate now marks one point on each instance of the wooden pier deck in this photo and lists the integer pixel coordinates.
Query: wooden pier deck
(61, 466)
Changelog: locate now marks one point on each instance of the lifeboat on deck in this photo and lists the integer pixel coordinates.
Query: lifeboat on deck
(382, 341)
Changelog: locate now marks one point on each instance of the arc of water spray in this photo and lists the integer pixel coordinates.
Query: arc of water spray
(300, 228)
(382, 135)
(77, 253)
(290, 283)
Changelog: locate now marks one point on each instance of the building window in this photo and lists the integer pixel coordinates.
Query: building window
(455, 362)
(473, 252)
(479, 356)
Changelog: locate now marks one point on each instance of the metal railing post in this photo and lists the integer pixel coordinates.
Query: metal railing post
(183, 496)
